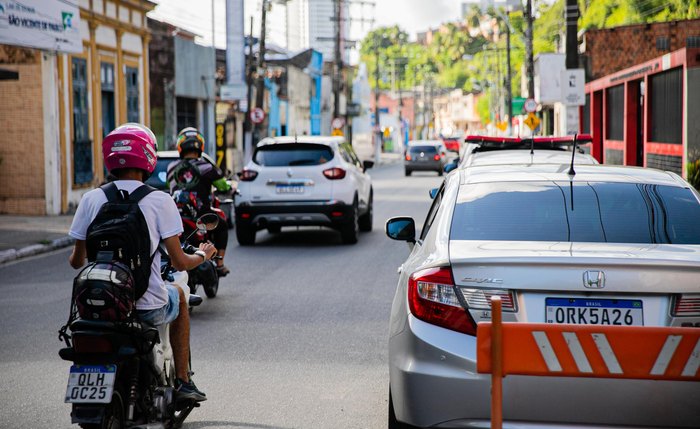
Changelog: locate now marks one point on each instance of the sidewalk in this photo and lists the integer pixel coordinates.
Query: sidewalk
(22, 236)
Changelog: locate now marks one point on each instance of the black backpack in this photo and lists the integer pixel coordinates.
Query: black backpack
(121, 229)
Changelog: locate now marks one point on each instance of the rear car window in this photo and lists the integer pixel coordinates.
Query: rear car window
(292, 154)
(577, 212)
(419, 149)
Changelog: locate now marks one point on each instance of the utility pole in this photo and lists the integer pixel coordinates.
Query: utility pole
(247, 128)
(338, 63)
(378, 140)
(260, 90)
(571, 36)
(529, 61)
(509, 90)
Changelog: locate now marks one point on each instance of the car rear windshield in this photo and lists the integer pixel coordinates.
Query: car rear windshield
(577, 212)
(291, 154)
(419, 149)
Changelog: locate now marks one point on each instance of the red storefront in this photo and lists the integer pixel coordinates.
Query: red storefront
(647, 115)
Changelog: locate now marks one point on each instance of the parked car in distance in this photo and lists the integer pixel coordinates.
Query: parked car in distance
(535, 235)
(304, 180)
(451, 143)
(425, 155)
(159, 180)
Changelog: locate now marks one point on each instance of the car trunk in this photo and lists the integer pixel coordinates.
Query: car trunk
(544, 276)
(294, 172)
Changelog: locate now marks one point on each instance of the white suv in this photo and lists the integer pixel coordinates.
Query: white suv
(293, 181)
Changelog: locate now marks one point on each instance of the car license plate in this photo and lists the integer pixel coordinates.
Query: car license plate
(91, 383)
(584, 311)
(290, 189)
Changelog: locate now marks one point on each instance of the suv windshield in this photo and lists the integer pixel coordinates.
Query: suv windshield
(292, 154)
(577, 212)
(419, 149)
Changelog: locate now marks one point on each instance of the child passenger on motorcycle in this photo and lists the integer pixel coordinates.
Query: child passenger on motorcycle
(160, 303)
(194, 176)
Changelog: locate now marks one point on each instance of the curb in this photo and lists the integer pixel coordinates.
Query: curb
(34, 249)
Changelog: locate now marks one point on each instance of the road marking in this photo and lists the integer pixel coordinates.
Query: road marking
(606, 352)
(577, 352)
(546, 350)
(666, 354)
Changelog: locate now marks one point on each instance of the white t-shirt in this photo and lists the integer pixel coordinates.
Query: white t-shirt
(163, 221)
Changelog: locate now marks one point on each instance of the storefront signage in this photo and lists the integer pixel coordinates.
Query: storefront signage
(52, 25)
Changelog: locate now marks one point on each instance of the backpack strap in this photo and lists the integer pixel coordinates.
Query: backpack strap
(141, 192)
(111, 191)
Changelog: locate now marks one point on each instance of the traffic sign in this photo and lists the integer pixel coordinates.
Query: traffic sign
(337, 132)
(532, 121)
(530, 105)
(573, 91)
(337, 123)
(257, 115)
(502, 125)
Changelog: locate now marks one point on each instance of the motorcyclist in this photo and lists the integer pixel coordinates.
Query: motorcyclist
(160, 303)
(195, 176)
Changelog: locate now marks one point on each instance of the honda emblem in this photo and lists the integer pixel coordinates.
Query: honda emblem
(594, 279)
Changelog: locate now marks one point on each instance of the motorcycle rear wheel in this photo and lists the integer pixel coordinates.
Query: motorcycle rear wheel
(113, 417)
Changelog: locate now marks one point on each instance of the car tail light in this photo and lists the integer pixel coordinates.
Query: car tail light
(480, 299)
(248, 175)
(686, 305)
(432, 298)
(436, 157)
(334, 173)
(408, 157)
(91, 344)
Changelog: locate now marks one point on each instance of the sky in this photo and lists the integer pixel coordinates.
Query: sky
(411, 15)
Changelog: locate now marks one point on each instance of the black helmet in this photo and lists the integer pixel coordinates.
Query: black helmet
(190, 139)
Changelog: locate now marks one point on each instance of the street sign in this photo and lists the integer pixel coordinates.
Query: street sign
(257, 115)
(220, 129)
(337, 132)
(337, 123)
(532, 121)
(502, 125)
(573, 87)
(530, 105)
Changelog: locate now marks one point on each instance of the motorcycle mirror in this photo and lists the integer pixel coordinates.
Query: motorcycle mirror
(207, 222)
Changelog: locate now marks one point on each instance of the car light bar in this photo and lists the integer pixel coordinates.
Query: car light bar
(480, 299)
(686, 305)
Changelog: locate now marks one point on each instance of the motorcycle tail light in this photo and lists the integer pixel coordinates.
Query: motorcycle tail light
(91, 344)
(432, 298)
(686, 305)
(480, 299)
(248, 175)
(334, 173)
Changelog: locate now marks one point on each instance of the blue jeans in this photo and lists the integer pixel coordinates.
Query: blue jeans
(166, 313)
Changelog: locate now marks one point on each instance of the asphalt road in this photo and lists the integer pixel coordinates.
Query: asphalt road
(296, 338)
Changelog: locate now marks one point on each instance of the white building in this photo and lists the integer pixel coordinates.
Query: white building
(304, 24)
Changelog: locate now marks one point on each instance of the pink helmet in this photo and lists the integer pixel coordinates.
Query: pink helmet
(130, 145)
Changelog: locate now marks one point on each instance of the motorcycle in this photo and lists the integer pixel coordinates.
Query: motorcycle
(205, 274)
(123, 373)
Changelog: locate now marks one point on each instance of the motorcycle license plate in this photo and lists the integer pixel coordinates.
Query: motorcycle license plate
(91, 383)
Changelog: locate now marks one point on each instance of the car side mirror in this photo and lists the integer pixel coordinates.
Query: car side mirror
(367, 164)
(401, 228)
(433, 192)
(449, 167)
